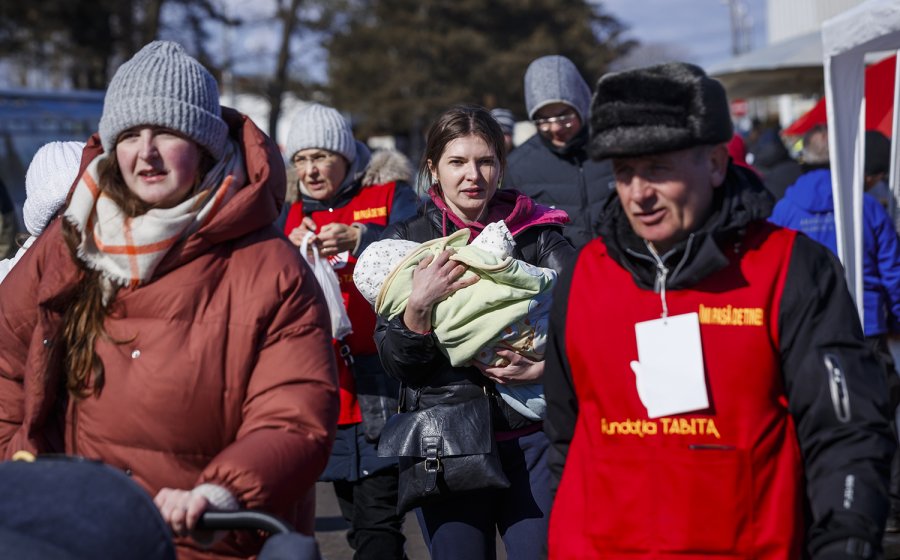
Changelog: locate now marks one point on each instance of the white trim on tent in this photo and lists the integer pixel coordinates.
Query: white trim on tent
(871, 26)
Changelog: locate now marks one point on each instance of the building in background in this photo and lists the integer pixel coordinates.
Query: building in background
(784, 78)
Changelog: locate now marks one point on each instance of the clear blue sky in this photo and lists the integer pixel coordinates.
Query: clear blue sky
(698, 28)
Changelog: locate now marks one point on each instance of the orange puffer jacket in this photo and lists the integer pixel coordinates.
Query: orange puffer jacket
(223, 372)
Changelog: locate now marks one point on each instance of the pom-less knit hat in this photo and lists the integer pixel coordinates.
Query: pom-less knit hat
(163, 86)
(505, 119)
(318, 126)
(657, 109)
(554, 79)
(51, 173)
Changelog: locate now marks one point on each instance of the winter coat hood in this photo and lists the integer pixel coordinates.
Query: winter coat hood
(812, 192)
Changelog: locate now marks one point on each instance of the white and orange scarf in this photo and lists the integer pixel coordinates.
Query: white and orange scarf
(127, 250)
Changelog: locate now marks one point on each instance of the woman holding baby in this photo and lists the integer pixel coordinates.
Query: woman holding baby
(464, 162)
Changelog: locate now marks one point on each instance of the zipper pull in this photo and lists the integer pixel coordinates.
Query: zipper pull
(840, 396)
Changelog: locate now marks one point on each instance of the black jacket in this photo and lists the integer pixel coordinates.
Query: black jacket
(816, 316)
(415, 359)
(565, 179)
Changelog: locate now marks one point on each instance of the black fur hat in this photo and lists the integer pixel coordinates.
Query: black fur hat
(657, 109)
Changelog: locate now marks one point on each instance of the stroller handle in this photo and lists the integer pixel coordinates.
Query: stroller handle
(243, 520)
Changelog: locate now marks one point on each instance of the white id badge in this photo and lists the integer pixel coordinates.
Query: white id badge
(669, 376)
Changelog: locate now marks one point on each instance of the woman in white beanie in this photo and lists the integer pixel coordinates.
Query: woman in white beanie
(155, 327)
(50, 175)
(346, 200)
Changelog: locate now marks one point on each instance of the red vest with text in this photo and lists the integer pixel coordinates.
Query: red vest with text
(371, 205)
(725, 482)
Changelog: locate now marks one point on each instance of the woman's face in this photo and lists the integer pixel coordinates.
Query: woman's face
(468, 172)
(321, 171)
(158, 166)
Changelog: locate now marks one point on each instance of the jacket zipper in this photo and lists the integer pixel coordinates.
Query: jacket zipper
(662, 272)
(840, 396)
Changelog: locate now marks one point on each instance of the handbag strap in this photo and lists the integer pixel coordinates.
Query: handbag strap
(432, 447)
(345, 353)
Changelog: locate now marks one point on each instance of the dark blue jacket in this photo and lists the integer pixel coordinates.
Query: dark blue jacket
(564, 178)
(808, 207)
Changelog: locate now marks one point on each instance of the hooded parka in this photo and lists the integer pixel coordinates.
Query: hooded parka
(203, 383)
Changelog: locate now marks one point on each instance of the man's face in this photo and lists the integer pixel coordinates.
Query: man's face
(557, 122)
(667, 196)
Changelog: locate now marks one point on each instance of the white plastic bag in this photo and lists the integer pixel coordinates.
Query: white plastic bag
(328, 280)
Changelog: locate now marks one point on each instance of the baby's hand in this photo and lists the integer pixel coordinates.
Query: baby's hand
(518, 369)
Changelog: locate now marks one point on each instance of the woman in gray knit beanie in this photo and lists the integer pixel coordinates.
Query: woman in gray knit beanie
(167, 309)
(347, 198)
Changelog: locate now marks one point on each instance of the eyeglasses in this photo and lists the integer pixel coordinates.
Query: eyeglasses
(317, 160)
(566, 120)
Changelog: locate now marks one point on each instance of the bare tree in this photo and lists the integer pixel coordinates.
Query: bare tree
(287, 14)
(87, 39)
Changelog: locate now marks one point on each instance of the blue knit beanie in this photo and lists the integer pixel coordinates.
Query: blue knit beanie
(164, 86)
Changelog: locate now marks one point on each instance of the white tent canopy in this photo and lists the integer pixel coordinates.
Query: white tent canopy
(871, 26)
(790, 66)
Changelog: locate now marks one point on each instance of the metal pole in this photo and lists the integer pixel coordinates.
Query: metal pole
(894, 173)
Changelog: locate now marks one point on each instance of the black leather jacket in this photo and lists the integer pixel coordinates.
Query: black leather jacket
(416, 360)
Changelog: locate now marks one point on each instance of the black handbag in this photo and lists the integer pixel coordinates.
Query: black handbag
(443, 449)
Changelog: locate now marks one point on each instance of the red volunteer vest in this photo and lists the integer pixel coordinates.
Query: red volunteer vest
(719, 483)
(371, 205)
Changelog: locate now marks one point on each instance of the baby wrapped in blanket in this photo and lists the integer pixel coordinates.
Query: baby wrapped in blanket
(507, 308)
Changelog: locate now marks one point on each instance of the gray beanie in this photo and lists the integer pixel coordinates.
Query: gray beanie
(164, 86)
(505, 119)
(554, 79)
(318, 126)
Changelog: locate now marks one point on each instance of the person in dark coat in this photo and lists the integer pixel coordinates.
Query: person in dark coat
(552, 167)
(771, 158)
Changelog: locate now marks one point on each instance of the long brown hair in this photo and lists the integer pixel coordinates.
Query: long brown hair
(84, 318)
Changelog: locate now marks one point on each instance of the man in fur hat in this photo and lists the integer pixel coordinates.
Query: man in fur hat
(716, 397)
